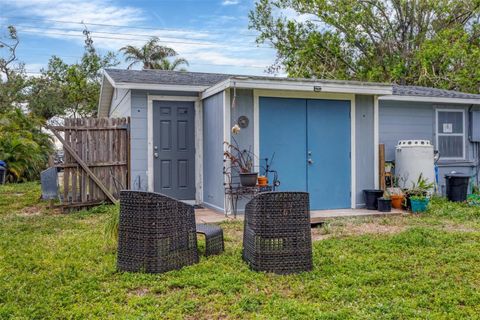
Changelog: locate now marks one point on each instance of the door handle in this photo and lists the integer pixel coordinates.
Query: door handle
(155, 154)
(310, 161)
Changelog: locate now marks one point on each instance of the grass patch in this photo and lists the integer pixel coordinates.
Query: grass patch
(58, 266)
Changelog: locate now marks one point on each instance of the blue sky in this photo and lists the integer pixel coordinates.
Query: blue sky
(212, 35)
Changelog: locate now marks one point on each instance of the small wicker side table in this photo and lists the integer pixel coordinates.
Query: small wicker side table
(213, 238)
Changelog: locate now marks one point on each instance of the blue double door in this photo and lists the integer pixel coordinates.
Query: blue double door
(308, 141)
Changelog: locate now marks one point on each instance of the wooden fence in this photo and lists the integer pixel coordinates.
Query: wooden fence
(96, 165)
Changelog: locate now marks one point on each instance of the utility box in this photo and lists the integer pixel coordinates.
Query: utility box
(475, 126)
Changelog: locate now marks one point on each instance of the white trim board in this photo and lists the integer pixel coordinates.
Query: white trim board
(198, 143)
(376, 140)
(160, 87)
(226, 136)
(310, 95)
(429, 99)
(297, 85)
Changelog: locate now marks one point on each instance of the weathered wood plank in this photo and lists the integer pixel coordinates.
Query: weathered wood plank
(84, 166)
(88, 128)
(381, 166)
(74, 171)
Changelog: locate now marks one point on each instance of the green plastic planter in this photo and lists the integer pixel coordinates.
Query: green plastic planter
(419, 205)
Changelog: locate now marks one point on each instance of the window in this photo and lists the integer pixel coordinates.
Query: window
(451, 133)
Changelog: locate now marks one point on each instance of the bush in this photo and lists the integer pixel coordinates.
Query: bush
(23, 145)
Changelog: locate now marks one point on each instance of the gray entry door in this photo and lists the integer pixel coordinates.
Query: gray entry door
(174, 149)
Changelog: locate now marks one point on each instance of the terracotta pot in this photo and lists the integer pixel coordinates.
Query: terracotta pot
(397, 201)
(262, 181)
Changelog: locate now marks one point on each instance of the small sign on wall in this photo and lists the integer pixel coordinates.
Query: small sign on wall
(447, 128)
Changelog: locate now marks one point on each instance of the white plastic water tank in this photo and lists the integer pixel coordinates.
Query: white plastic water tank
(412, 158)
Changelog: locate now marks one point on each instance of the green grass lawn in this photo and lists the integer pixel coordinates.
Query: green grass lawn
(60, 266)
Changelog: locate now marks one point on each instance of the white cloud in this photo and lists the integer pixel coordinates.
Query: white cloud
(200, 48)
(230, 2)
(96, 11)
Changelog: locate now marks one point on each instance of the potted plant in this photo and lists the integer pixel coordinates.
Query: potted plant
(419, 194)
(474, 198)
(243, 160)
(388, 167)
(396, 194)
(262, 181)
(419, 203)
(385, 203)
(371, 198)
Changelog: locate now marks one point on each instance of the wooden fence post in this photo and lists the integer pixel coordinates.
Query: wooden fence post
(381, 166)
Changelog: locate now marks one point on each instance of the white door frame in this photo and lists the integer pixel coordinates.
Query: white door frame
(376, 141)
(257, 93)
(198, 141)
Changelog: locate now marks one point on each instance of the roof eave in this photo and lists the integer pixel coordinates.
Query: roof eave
(106, 94)
(156, 86)
(429, 99)
(309, 86)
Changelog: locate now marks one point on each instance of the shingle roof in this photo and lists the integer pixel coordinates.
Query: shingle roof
(209, 79)
(166, 77)
(203, 79)
(417, 91)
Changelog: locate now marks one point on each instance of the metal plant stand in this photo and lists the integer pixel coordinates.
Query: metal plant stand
(235, 192)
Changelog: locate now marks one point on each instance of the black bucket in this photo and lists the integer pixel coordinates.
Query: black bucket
(371, 197)
(457, 186)
(384, 205)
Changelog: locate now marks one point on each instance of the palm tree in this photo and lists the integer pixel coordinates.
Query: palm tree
(151, 54)
(166, 64)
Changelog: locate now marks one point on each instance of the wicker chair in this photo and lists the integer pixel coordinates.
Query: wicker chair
(156, 233)
(277, 236)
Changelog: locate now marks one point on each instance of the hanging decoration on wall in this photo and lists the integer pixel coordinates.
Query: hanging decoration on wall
(243, 122)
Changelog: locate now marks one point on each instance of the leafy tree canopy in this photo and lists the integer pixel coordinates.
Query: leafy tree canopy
(70, 89)
(12, 73)
(428, 42)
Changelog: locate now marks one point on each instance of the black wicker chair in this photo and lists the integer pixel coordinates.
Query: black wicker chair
(156, 233)
(277, 236)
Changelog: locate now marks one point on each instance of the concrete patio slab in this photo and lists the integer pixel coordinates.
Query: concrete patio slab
(316, 216)
(211, 216)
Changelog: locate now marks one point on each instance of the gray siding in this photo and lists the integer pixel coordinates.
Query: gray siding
(121, 102)
(245, 138)
(213, 189)
(138, 135)
(138, 145)
(404, 120)
(401, 120)
(243, 107)
(364, 147)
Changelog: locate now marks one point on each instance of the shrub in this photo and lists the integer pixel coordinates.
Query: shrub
(23, 145)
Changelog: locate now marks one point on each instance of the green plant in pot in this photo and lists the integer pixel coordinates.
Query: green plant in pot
(416, 198)
(473, 199)
(242, 160)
